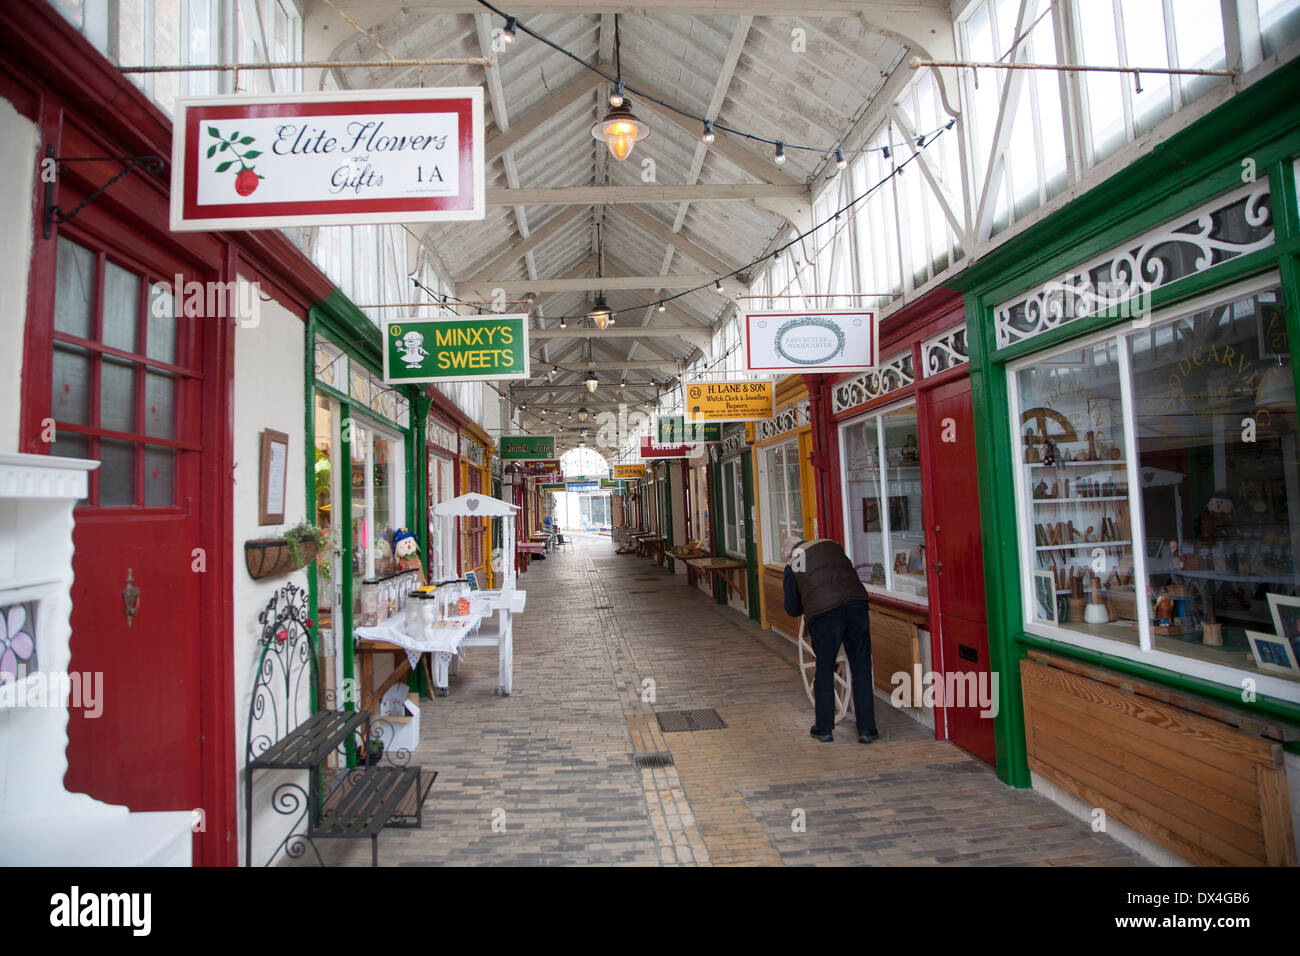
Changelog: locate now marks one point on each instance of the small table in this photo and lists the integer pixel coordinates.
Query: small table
(653, 545)
(728, 571)
(529, 548)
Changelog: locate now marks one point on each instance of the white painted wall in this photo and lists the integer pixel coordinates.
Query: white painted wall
(18, 153)
(268, 394)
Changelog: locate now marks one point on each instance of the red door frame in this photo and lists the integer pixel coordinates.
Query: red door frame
(934, 312)
(54, 77)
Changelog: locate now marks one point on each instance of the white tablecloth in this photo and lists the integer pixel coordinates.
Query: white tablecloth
(444, 637)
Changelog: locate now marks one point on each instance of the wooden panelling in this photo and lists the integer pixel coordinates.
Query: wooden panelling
(774, 602)
(894, 649)
(1197, 786)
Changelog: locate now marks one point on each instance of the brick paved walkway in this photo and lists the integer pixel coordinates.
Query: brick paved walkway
(546, 775)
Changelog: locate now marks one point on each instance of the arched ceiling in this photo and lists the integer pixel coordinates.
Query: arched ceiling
(743, 66)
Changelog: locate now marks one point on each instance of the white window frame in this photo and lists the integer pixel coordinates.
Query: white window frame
(1145, 652)
(877, 416)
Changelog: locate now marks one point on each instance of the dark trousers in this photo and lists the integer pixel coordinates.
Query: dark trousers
(849, 625)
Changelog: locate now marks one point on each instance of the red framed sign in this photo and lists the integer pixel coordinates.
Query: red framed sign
(328, 159)
(651, 449)
(802, 342)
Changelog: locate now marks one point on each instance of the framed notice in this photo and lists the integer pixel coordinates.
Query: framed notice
(273, 478)
(835, 341)
(343, 157)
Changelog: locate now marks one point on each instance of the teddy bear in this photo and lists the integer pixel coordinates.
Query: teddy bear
(406, 548)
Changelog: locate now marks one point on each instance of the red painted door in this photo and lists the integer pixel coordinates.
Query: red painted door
(958, 566)
(125, 390)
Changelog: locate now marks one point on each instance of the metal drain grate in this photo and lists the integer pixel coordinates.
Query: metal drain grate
(645, 761)
(677, 721)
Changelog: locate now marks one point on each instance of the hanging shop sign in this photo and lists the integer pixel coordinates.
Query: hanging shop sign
(653, 449)
(554, 487)
(537, 448)
(673, 429)
(468, 349)
(581, 485)
(629, 471)
(751, 401)
(838, 341)
(328, 159)
(611, 484)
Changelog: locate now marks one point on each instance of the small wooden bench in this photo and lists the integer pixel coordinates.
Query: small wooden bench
(286, 733)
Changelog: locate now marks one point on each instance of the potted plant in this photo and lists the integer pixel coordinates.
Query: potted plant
(296, 549)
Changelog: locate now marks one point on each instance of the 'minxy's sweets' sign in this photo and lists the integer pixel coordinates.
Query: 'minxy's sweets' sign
(339, 158)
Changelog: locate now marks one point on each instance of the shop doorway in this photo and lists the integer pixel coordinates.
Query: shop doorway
(957, 568)
(124, 388)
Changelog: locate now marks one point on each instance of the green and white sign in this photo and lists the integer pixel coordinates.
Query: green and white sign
(673, 430)
(559, 487)
(611, 483)
(527, 447)
(468, 349)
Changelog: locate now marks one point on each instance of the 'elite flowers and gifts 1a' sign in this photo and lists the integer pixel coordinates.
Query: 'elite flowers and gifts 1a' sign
(321, 159)
(740, 401)
(528, 447)
(838, 341)
(469, 349)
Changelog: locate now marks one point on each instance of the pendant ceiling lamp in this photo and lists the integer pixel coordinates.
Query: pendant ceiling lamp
(600, 315)
(620, 129)
(592, 382)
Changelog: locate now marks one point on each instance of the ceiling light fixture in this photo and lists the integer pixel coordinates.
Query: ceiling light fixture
(840, 161)
(563, 324)
(600, 314)
(582, 414)
(508, 34)
(591, 382)
(717, 285)
(780, 154)
(708, 136)
(662, 307)
(620, 129)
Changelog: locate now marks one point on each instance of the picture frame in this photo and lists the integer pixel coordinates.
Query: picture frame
(901, 558)
(273, 477)
(870, 515)
(898, 513)
(1273, 653)
(1045, 606)
(1286, 617)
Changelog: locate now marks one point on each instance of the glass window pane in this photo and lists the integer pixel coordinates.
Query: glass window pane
(121, 307)
(903, 510)
(1198, 34)
(1100, 46)
(1144, 45)
(74, 289)
(159, 480)
(323, 503)
(1219, 510)
(70, 374)
(866, 532)
(161, 330)
(117, 395)
(116, 473)
(160, 404)
(70, 445)
(1074, 481)
(1279, 24)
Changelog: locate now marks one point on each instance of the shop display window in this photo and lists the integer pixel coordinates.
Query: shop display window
(733, 508)
(783, 515)
(1158, 481)
(884, 512)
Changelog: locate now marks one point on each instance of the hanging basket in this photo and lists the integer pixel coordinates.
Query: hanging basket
(266, 557)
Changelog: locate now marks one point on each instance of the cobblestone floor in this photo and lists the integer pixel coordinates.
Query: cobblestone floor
(546, 776)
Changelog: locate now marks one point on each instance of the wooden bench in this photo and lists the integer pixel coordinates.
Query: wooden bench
(286, 732)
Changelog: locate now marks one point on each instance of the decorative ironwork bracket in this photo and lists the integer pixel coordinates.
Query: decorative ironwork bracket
(53, 214)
